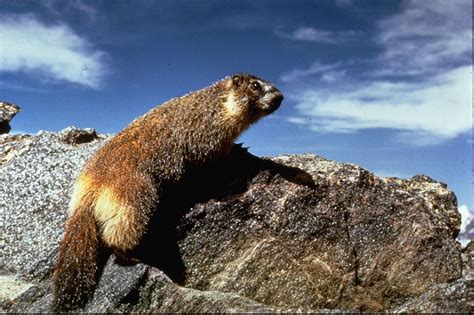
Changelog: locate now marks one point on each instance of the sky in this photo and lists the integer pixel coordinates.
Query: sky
(384, 84)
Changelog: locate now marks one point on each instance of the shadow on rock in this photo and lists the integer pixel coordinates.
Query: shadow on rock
(220, 180)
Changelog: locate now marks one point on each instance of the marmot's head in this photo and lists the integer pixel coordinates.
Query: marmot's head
(251, 97)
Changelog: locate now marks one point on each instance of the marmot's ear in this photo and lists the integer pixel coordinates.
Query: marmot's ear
(237, 79)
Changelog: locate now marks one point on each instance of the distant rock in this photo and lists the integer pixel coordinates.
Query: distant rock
(7, 112)
(467, 224)
(291, 233)
(469, 233)
(73, 135)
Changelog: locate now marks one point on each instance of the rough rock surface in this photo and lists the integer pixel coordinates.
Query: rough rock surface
(7, 112)
(456, 296)
(244, 234)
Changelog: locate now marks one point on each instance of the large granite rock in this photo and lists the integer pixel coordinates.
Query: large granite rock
(7, 112)
(291, 233)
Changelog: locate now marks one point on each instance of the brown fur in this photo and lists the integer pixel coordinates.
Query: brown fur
(121, 185)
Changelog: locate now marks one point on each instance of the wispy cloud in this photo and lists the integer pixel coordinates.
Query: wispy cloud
(419, 86)
(315, 68)
(61, 8)
(426, 112)
(311, 34)
(55, 52)
(466, 217)
(426, 37)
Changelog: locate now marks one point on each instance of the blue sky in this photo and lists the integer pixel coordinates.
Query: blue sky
(383, 84)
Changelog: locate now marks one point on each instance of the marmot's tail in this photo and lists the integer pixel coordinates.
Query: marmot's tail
(75, 276)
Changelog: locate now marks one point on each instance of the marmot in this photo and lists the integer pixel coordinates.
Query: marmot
(122, 184)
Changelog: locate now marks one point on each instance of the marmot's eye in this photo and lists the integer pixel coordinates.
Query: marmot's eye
(256, 86)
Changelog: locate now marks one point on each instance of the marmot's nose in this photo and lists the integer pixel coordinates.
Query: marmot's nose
(277, 99)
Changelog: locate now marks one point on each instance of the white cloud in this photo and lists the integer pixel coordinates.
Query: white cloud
(435, 110)
(426, 36)
(315, 68)
(466, 217)
(424, 39)
(334, 76)
(311, 34)
(55, 52)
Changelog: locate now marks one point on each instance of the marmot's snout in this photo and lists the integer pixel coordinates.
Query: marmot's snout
(272, 101)
(276, 101)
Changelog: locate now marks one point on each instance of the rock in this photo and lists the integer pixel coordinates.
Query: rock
(73, 135)
(11, 288)
(468, 258)
(356, 241)
(7, 112)
(148, 290)
(36, 180)
(244, 234)
(454, 297)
